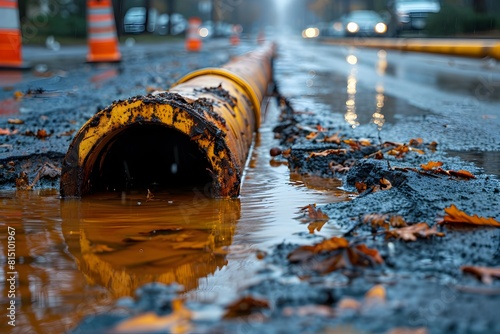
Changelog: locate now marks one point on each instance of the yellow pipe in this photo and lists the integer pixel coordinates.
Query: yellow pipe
(465, 48)
(200, 130)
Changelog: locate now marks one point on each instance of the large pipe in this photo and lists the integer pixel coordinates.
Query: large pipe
(198, 132)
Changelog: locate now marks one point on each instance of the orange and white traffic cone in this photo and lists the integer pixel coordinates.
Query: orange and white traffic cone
(235, 36)
(193, 38)
(102, 38)
(10, 35)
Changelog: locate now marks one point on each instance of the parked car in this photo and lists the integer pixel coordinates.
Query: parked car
(134, 20)
(412, 14)
(363, 23)
(179, 24)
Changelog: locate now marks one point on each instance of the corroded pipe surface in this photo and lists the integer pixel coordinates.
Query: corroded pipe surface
(197, 133)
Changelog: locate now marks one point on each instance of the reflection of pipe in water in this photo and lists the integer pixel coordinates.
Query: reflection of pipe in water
(350, 115)
(122, 247)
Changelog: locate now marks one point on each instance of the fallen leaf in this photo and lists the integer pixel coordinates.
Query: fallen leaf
(361, 186)
(315, 226)
(433, 146)
(373, 297)
(354, 144)
(15, 121)
(462, 173)
(365, 142)
(326, 153)
(376, 220)
(348, 303)
(397, 221)
(18, 95)
(376, 294)
(412, 232)
(333, 139)
(312, 135)
(338, 168)
(42, 134)
(340, 254)
(399, 151)
(7, 132)
(315, 213)
(431, 165)
(454, 215)
(416, 142)
(419, 151)
(385, 184)
(485, 274)
(377, 155)
(245, 307)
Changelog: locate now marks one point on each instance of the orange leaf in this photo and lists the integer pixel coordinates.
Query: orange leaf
(431, 165)
(41, 134)
(327, 153)
(355, 146)
(412, 232)
(316, 214)
(312, 135)
(376, 220)
(361, 186)
(375, 294)
(315, 226)
(245, 307)
(371, 252)
(462, 173)
(385, 184)
(416, 141)
(485, 274)
(397, 221)
(333, 139)
(15, 121)
(454, 215)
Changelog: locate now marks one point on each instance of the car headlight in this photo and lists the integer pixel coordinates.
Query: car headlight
(352, 27)
(380, 28)
(310, 33)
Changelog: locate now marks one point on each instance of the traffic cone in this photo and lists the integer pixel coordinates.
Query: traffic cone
(235, 36)
(102, 39)
(10, 35)
(261, 37)
(193, 38)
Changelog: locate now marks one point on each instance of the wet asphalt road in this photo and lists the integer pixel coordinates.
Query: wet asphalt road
(360, 93)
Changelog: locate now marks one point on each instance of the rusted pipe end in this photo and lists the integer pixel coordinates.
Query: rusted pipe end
(197, 133)
(153, 141)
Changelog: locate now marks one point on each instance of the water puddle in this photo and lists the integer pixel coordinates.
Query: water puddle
(76, 257)
(487, 160)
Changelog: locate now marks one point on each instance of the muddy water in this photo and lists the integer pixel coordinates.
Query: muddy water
(77, 257)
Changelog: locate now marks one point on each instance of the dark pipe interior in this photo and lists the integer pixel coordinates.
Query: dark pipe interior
(151, 157)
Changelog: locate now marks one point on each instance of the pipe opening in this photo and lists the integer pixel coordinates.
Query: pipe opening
(152, 157)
